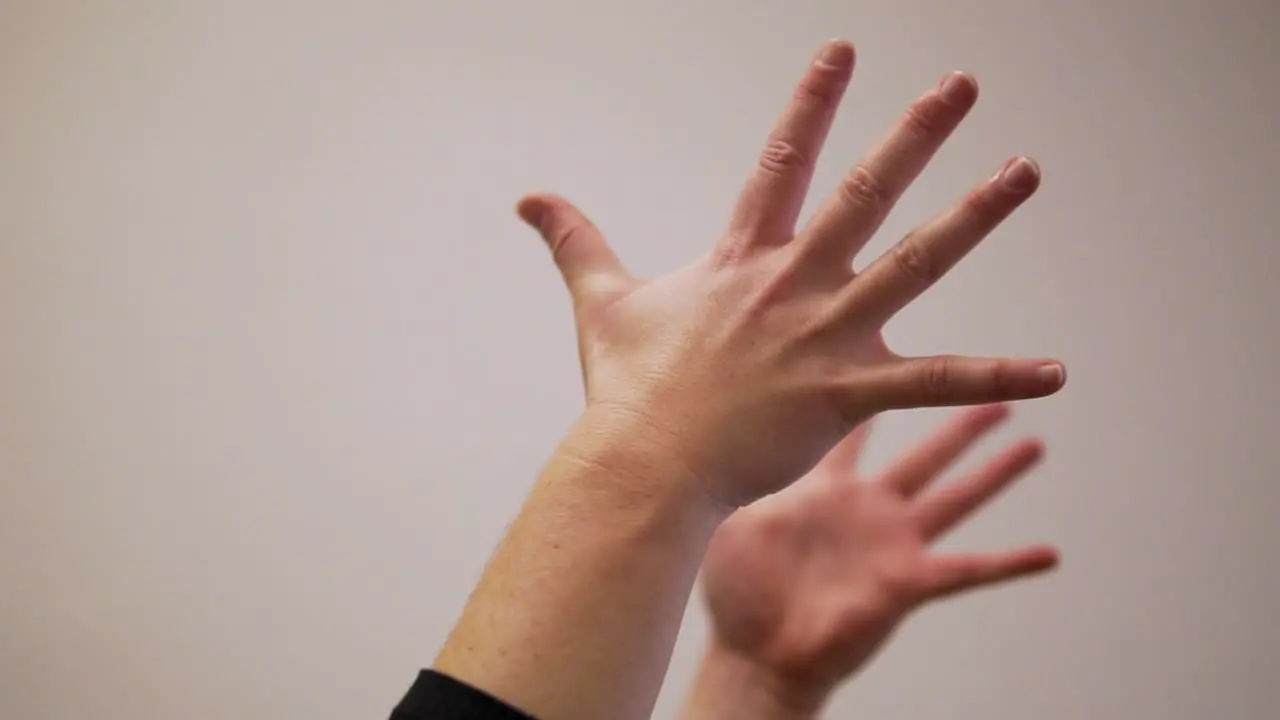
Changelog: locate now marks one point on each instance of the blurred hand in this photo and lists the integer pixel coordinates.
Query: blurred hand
(749, 364)
(806, 585)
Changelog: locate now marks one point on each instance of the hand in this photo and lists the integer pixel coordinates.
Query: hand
(713, 386)
(756, 359)
(806, 585)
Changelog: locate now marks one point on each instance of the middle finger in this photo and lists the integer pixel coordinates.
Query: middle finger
(851, 215)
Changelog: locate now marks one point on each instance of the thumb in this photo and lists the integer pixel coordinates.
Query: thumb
(577, 247)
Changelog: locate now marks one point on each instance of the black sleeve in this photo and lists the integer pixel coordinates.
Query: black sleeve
(440, 697)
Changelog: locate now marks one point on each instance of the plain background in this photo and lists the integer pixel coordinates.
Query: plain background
(278, 363)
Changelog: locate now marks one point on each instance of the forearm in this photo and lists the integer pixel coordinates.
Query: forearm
(577, 612)
(731, 687)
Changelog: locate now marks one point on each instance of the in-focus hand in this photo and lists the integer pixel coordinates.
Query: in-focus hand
(807, 584)
(749, 364)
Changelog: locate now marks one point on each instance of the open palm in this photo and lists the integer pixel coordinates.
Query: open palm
(811, 581)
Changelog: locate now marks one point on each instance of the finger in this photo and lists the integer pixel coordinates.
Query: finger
(943, 380)
(940, 510)
(924, 462)
(868, 192)
(922, 257)
(843, 458)
(767, 209)
(577, 247)
(950, 575)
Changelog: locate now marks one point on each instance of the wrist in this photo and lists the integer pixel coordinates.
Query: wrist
(731, 685)
(640, 467)
(578, 609)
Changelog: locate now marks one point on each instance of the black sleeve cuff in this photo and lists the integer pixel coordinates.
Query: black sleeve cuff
(439, 697)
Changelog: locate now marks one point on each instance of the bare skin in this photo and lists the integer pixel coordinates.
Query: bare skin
(804, 587)
(713, 386)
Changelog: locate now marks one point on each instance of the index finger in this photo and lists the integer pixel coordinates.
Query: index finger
(848, 219)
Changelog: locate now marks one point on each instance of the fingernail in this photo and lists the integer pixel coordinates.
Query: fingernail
(1020, 175)
(1052, 374)
(957, 89)
(837, 54)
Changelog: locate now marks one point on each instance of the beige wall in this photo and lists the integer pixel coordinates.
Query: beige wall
(277, 362)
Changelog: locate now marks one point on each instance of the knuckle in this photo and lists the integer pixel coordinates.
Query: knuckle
(980, 382)
(982, 206)
(914, 261)
(850, 407)
(938, 381)
(899, 585)
(999, 380)
(862, 188)
(817, 89)
(921, 121)
(563, 237)
(782, 156)
(874, 608)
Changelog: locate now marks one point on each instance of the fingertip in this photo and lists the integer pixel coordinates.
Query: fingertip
(1032, 447)
(993, 413)
(1021, 563)
(531, 209)
(958, 89)
(982, 418)
(538, 209)
(1017, 459)
(1045, 558)
(1019, 175)
(837, 54)
(1052, 375)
